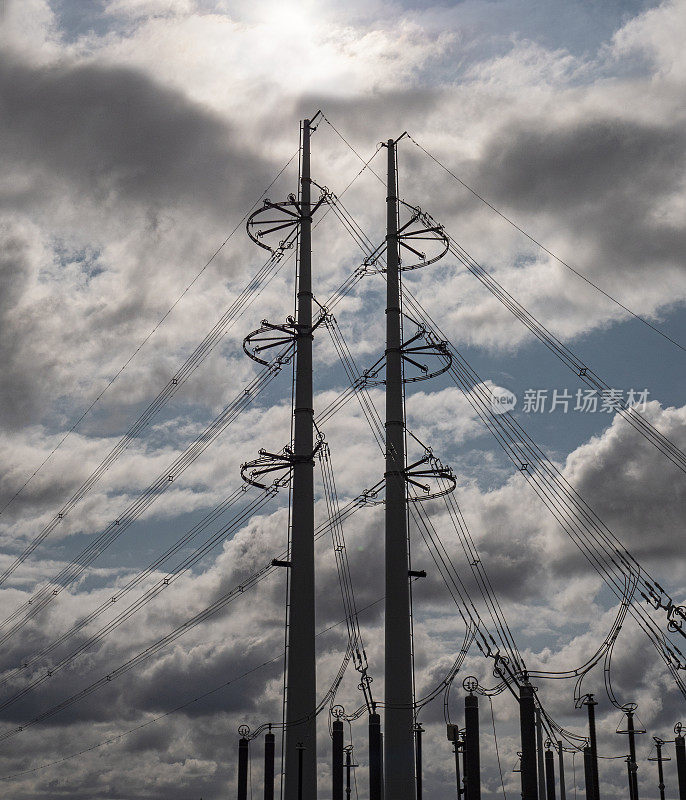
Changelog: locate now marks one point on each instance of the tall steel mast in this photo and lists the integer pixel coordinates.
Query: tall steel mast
(399, 717)
(301, 729)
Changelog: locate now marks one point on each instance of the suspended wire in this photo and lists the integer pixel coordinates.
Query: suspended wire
(253, 507)
(208, 612)
(587, 376)
(256, 285)
(145, 340)
(655, 591)
(174, 710)
(549, 252)
(254, 288)
(116, 528)
(572, 513)
(78, 565)
(668, 654)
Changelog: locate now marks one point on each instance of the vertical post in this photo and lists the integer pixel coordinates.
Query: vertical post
(337, 760)
(528, 733)
(418, 758)
(561, 770)
(660, 771)
(472, 772)
(348, 766)
(633, 765)
(590, 704)
(680, 746)
(588, 772)
(269, 766)
(539, 756)
(381, 773)
(301, 680)
(243, 768)
(398, 740)
(549, 775)
(375, 756)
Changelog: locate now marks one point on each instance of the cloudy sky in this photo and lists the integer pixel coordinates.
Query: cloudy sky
(135, 135)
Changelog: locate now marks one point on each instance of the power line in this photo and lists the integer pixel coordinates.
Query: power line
(144, 341)
(546, 250)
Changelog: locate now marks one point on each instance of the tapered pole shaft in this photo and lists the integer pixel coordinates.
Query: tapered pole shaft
(561, 770)
(337, 760)
(269, 766)
(398, 724)
(660, 771)
(301, 679)
(243, 753)
(348, 767)
(593, 742)
(539, 757)
(588, 772)
(549, 775)
(633, 765)
(680, 746)
(418, 759)
(472, 773)
(528, 733)
(375, 758)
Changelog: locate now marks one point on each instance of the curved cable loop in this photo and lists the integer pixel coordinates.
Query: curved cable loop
(286, 217)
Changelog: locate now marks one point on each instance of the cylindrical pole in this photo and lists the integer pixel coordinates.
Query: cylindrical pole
(660, 771)
(528, 733)
(398, 724)
(269, 766)
(588, 772)
(348, 765)
(418, 758)
(561, 770)
(590, 704)
(382, 773)
(375, 754)
(549, 775)
(243, 768)
(539, 756)
(301, 687)
(680, 746)
(337, 760)
(633, 766)
(472, 773)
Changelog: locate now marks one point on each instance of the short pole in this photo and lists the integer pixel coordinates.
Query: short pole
(528, 734)
(539, 756)
(472, 774)
(590, 704)
(269, 766)
(588, 772)
(680, 746)
(549, 775)
(375, 756)
(418, 731)
(561, 770)
(660, 772)
(633, 766)
(348, 765)
(243, 768)
(337, 760)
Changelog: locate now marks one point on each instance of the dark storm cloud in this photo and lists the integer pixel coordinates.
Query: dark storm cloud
(114, 133)
(605, 178)
(16, 401)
